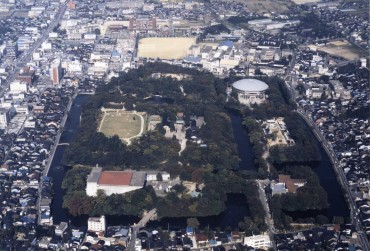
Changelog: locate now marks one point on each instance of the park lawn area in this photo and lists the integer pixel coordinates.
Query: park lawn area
(124, 125)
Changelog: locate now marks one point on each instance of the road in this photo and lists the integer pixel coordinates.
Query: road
(290, 81)
(135, 228)
(268, 218)
(342, 179)
(25, 58)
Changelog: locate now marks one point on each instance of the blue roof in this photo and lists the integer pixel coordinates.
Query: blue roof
(115, 53)
(226, 43)
(212, 242)
(351, 248)
(192, 59)
(189, 230)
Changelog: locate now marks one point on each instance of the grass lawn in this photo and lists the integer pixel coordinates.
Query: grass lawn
(124, 125)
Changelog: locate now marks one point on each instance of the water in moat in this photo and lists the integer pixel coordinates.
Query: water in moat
(236, 209)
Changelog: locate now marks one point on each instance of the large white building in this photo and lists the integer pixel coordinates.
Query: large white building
(250, 91)
(258, 241)
(18, 87)
(114, 182)
(96, 224)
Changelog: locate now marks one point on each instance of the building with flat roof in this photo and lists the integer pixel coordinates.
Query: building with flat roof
(4, 118)
(96, 224)
(56, 71)
(258, 241)
(114, 182)
(250, 91)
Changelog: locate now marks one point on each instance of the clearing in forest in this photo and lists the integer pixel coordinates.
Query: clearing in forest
(125, 124)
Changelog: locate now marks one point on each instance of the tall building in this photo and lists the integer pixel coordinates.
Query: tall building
(96, 224)
(4, 118)
(56, 71)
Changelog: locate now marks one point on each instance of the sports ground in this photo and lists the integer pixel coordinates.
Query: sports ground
(126, 125)
(165, 47)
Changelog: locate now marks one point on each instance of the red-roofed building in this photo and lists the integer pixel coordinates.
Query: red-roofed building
(291, 184)
(114, 182)
(115, 178)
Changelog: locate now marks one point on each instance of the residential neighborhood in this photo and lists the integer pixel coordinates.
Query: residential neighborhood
(53, 51)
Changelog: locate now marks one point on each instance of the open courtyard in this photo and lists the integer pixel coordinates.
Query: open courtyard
(126, 125)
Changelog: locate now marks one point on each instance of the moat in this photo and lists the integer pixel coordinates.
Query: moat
(236, 209)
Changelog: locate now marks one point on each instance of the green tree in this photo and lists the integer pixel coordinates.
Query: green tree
(193, 222)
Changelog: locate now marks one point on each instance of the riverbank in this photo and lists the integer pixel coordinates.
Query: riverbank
(334, 189)
(57, 170)
(54, 147)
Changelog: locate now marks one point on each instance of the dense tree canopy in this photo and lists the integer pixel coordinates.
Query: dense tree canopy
(215, 165)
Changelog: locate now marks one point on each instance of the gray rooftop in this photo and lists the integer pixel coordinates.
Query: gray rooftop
(251, 85)
(94, 175)
(138, 178)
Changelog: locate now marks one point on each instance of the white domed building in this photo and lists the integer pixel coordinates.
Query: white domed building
(250, 91)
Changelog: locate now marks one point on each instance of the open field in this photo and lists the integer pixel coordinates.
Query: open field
(340, 48)
(277, 6)
(125, 125)
(305, 1)
(164, 47)
(262, 6)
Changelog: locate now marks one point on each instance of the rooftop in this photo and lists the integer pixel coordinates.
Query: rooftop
(115, 178)
(252, 85)
(94, 175)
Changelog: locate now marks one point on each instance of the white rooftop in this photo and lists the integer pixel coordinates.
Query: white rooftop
(251, 85)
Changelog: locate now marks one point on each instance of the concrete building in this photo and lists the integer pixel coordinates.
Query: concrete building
(61, 228)
(26, 75)
(142, 24)
(56, 72)
(18, 86)
(114, 182)
(11, 50)
(96, 224)
(157, 176)
(4, 118)
(258, 241)
(250, 91)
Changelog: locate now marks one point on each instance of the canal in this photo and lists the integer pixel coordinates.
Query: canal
(242, 140)
(57, 170)
(236, 209)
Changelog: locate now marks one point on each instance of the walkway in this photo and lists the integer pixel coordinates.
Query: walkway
(128, 140)
(135, 228)
(268, 218)
(147, 217)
